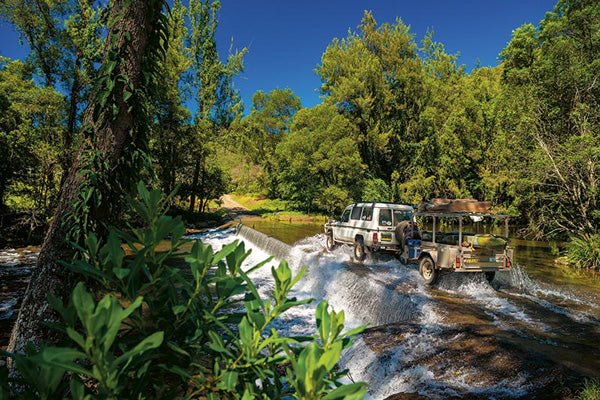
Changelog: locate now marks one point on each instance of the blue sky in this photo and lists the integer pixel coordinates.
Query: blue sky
(287, 38)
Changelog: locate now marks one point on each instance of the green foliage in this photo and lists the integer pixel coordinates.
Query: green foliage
(31, 126)
(171, 134)
(164, 330)
(217, 100)
(268, 124)
(320, 152)
(584, 251)
(591, 390)
(376, 190)
(333, 199)
(550, 80)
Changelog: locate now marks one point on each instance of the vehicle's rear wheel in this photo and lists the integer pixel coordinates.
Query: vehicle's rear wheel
(359, 250)
(428, 271)
(490, 276)
(330, 243)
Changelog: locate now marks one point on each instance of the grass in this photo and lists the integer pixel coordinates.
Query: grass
(275, 209)
(584, 252)
(591, 390)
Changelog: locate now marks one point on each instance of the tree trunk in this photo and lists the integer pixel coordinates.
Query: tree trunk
(72, 117)
(112, 136)
(194, 186)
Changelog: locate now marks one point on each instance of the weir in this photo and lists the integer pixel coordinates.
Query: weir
(269, 245)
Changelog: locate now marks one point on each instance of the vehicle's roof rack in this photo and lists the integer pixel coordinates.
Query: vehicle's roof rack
(384, 202)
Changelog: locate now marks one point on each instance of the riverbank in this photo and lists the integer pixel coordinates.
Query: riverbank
(274, 209)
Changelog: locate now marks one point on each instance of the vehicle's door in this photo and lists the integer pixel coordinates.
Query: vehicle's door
(341, 233)
(355, 223)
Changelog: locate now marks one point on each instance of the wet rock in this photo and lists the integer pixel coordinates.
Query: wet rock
(469, 362)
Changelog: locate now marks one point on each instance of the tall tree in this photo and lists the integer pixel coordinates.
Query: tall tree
(65, 43)
(555, 70)
(31, 124)
(318, 159)
(171, 131)
(374, 77)
(215, 96)
(267, 125)
(116, 123)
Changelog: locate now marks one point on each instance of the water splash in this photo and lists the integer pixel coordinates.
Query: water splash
(384, 293)
(477, 288)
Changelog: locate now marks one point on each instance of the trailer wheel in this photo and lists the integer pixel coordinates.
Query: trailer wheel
(490, 276)
(359, 250)
(330, 243)
(428, 271)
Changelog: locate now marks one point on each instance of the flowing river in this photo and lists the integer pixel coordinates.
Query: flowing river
(534, 332)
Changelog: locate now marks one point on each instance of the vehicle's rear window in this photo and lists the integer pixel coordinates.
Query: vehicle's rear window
(385, 217)
(356, 212)
(401, 215)
(367, 214)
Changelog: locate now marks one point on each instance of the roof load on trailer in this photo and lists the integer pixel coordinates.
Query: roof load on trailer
(456, 205)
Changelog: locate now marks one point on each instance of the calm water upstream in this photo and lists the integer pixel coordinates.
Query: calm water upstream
(533, 333)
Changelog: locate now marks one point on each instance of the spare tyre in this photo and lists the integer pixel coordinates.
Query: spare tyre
(406, 230)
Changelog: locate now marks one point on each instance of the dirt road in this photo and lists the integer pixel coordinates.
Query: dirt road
(234, 209)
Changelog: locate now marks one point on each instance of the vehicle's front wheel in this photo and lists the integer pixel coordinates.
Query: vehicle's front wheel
(490, 276)
(428, 271)
(330, 243)
(359, 250)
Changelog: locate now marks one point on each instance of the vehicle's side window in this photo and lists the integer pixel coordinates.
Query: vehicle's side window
(367, 214)
(345, 215)
(385, 217)
(356, 212)
(401, 215)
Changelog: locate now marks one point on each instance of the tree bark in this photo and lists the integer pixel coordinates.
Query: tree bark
(194, 186)
(112, 137)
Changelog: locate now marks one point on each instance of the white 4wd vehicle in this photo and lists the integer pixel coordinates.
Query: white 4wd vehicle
(369, 227)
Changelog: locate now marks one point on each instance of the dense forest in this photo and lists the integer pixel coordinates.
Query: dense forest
(400, 120)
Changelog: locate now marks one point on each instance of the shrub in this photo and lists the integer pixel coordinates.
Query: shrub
(376, 190)
(168, 329)
(591, 390)
(584, 251)
(334, 199)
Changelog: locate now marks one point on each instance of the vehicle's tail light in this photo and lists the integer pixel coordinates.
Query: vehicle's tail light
(457, 264)
(508, 262)
(375, 238)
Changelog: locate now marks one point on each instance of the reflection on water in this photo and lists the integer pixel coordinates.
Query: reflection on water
(287, 232)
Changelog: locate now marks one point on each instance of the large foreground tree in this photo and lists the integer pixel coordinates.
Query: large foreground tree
(115, 126)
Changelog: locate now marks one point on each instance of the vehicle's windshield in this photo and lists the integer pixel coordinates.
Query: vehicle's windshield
(345, 216)
(385, 217)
